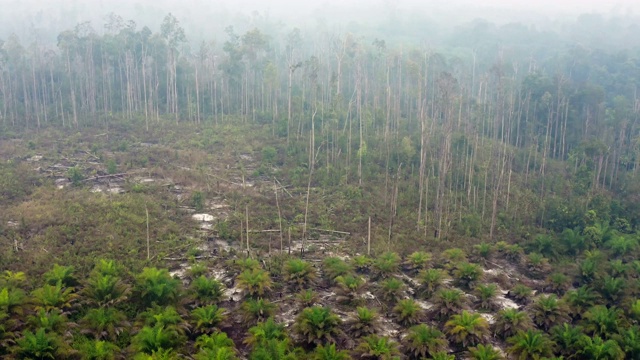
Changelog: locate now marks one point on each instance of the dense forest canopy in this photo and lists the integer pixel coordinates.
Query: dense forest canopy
(321, 181)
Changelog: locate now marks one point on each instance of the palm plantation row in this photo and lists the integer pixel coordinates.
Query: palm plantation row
(433, 309)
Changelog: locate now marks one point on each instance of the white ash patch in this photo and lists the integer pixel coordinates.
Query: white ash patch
(234, 294)
(506, 303)
(202, 217)
(12, 224)
(489, 317)
(287, 318)
(116, 190)
(96, 189)
(425, 305)
(35, 158)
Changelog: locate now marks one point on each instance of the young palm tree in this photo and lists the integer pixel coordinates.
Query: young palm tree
(594, 348)
(514, 253)
(441, 355)
(104, 323)
(216, 346)
(588, 270)
(364, 322)
(97, 349)
(53, 297)
(423, 341)
(377, 348)
(62, 274)
(521, 294)
(240, 265)
(156, 286)
(256, 282)
(52, 321)
(348, 289)
(106, 267)
(453, 256)
(307, 298)
(386, 264)
(483, 252)
(408, 312)
(568, 339)
(613, 289)
(558, 283)
(329, 352)
(299, 274)
(105, 290)
(214, 340)
(467, 275)
(317, 325)
(634, 310)
(207, 319)
(467, 329)
(537, 265)
(602, 321)
(361, 263)
(430, 281)
(160, 354)
(573, 242)
(579, 300)
(509, 321)
(206, 291)
(629, 341)
(334, 267)
(448, 302)
(617, 268)
(487, 296)
(12, 279)
(156, 338)
(166, 316)
(196, 270)
(255, 310)
(530, 344)
(548, 311)
(391, 289)
(621, 246)
(265, 331)
(275, 350)
(417, 261)
(39, 345)
(12, 300)
(482, 352)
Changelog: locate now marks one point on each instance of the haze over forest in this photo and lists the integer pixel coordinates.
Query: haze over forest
(326, 180)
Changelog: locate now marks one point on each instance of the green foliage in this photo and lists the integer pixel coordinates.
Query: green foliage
(105, 323)
(486, 296)
(254, 282)
(39, 345)
(548, 311)
(448, 302)
(377, 347)
(391, 289)
(255, 310)
(264, 332)
(467, 329)
(198, 200)
(334, 267)
(482, 352)
(530, 344)
(206, 290)
(156, 286)
(299, 273)
(430, 281)
(508, 322)
(348, 289)
(207, 318)
(467, 274)
(595, 348)
(386, 264)
(75, 175)
(53, 297)
(423, 341)
(568, 339)
(408, 312)
(62, 274)
(329, 352)
(364, 322)
(306, 298)
(317, 325)
(97, 350)
(156, 338)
